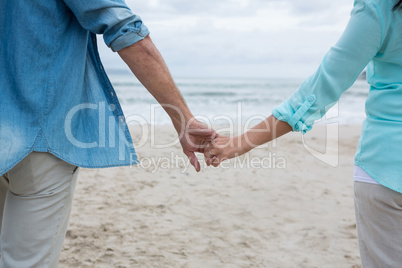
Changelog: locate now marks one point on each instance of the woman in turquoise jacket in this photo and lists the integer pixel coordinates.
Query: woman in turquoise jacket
(372, 39)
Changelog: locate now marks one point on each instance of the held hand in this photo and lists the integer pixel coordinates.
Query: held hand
(147, 64)
(223, 148)
(195, 137)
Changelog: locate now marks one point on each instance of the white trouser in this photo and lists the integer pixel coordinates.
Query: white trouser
(379, 225)
(35, 203)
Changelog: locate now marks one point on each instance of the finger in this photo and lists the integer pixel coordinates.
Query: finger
(208, 146)
(210, 153)
(199, 143)
(215, 162)
(206, 132)
(206, 157)
(194, 161)
(205, 136)
(213, 152)
(215, 135)
(210, 160)
(206, 149)
(213, 147)
(216, 143)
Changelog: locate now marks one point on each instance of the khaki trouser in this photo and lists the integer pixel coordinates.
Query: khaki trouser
(35, 203)
(379, 225)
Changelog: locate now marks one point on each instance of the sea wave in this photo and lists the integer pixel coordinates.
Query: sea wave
(235, 98)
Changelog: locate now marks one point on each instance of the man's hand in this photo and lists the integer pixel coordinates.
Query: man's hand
(194, 138)
(148, 66)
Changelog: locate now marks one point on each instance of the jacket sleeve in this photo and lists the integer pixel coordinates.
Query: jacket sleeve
(341, 66)
(112, 18)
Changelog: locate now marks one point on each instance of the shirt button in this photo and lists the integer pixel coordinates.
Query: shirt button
(311, 99)
(112, 107)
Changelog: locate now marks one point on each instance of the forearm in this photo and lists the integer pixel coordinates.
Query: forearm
(358, 45)
(148, 66)
(266, 131)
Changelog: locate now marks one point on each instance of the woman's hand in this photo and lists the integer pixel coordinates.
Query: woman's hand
(223, 148)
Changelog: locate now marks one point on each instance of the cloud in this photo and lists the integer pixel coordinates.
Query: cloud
(288, 37)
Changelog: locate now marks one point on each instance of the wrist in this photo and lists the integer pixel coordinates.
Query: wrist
(181, 118)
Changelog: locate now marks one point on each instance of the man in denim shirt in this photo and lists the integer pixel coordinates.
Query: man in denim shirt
(58, 112)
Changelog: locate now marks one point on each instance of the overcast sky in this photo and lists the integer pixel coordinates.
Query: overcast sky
(240, 38)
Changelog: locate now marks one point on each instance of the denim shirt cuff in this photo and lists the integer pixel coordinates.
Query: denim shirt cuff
(284, 112)
(129, 38)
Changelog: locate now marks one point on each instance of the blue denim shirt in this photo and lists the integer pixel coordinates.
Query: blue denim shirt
(373, 38)
(55, 95)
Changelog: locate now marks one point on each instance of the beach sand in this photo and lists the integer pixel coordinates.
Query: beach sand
(279, 206)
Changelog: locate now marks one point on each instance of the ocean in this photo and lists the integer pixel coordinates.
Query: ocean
(237, 101)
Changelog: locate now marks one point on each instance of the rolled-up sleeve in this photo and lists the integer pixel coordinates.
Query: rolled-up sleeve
(339, 69)
(112, 18)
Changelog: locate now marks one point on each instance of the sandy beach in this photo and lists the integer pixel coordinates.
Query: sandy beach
(278, 206)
